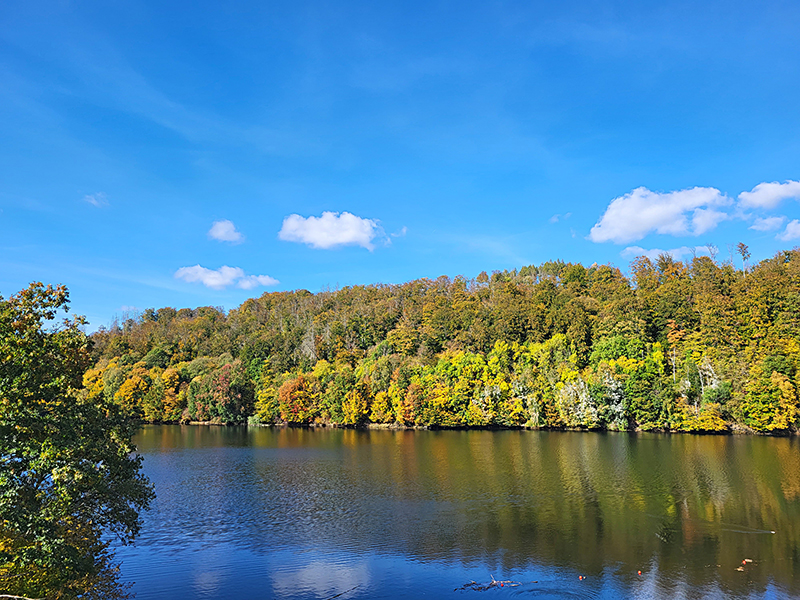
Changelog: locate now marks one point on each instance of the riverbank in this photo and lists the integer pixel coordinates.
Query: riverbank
(734, 429)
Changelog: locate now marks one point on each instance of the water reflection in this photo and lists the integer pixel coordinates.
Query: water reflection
(320, 512)
(320, 578)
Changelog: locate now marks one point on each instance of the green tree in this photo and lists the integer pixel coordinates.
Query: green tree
(744, 252)
(68, 474)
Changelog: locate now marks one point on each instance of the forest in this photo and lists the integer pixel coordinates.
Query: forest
(695, 346)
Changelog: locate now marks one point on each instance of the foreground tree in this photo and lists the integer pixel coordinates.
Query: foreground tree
(68, 475)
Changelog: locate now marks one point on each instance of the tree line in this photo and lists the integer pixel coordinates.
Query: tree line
(698, 346)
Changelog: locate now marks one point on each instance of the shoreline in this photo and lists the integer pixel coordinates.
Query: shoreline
(734, 430)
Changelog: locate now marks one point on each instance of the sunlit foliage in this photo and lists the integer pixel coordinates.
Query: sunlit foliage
(696, 346)
(67, 473)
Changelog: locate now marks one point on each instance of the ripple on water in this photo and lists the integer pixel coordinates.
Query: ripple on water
(311, 514)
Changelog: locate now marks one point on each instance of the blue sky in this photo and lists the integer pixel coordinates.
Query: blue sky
(185, 154)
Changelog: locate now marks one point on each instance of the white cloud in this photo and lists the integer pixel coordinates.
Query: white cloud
(251, 281)
(706, 219)
(223, 277)
(769, 195)
(219, 279)
(686, 212)
(330, 230)
(99, 199)
(225, 231)
(792, 231)
(676, 253)
(767, 223)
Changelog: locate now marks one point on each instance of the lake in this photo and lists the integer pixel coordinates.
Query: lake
(323, 513)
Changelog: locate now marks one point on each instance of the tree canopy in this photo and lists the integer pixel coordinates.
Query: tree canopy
(68, 474)
(680, 346)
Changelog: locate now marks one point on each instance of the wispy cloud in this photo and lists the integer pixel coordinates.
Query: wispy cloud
(331, 230)
(98, 199)
(224, 277)
(653, 253)
(101, 75)
(767, 223)
(558, 217)
(502, 246)
(400, 233)
(686, 212)
(770, 195)
(225, 231)
(792, 231)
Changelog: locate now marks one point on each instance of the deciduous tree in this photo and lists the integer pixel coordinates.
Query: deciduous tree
(68, 474)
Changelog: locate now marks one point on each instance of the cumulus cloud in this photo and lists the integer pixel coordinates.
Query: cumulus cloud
(98, 200)
(225, 231)
(686, 212)
(792, 231)
(250, 281)
(653, 253)
(331, 230)
(223, 277)
(770, 195)
(706, 219)
(767, 223)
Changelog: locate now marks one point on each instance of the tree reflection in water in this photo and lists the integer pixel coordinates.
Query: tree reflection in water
(685, 510)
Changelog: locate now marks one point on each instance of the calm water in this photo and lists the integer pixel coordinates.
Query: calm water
(292, 513)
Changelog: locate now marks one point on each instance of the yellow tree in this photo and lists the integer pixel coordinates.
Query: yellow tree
(355, 407)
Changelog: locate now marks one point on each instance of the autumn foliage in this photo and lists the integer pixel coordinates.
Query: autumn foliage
(696, 346)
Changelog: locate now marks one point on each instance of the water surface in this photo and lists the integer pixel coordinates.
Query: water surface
(298, 513)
